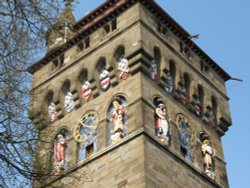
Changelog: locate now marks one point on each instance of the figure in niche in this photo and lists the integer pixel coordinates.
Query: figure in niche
(52, 112)
(104, 79)
(186, 141)
(197, 105)
(123, 69)
(86, 91)
(69, 102)
(153, 70)
(210, 118)
(59, 153)
(169, 83)
(183, 95)
(118, 120)
(161, 124)
(208, 154)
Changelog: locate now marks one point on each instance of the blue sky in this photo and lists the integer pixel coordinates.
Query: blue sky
(224, 28)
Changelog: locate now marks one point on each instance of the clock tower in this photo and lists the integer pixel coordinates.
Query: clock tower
(124, 98)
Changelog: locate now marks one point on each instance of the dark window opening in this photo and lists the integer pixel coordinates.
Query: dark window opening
(80, 46)
(114, 25)
(107, 28)
(89, 150)
(87, 43)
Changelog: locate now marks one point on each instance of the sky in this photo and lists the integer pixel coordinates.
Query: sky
(224, 28)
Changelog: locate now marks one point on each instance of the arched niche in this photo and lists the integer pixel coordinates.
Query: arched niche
(102, 75)
(120, 63)
(154, 69)
(67, 96)
(186, 137)
(50, 107)
(117, 116)
(161, 120)
(207, 154)
(84, 85)
(214, 108)
(60, 154)
(170, 81)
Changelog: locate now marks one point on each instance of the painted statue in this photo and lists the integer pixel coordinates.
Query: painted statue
(153, 70)
(59, 153)
(208, 153)
(169, 83)
(69, 102)
(185, 140)
(52, 112)
(104, 80)
(123, 70)
(161, 124)
(118, 120)
(86, 91)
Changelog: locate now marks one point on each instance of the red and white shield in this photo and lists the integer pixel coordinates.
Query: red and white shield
(104, 80)
(86, 91)
(105, 83)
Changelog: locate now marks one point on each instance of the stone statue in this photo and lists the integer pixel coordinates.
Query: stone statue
(59, 153)
(123, 69)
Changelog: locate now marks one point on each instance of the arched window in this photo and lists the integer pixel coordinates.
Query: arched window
(86, 89)
(68, 97)
(117, 116)
(161, 120)
(85, 134)
(122, 63)
(103, 74)
(51, 107)
(186, 137)
(207, 154)
(60, 155)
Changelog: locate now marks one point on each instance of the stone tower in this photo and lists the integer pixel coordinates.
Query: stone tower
(130, 101)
